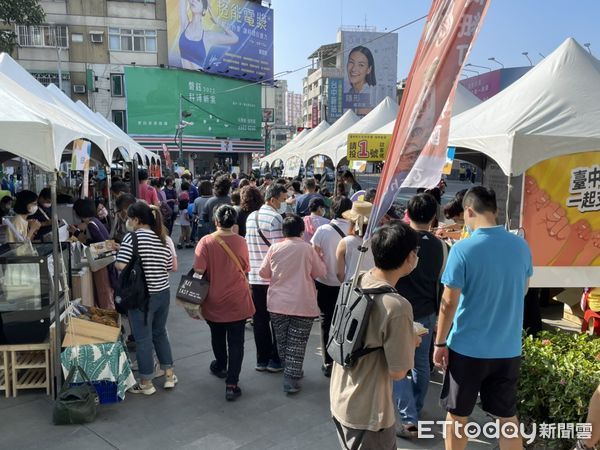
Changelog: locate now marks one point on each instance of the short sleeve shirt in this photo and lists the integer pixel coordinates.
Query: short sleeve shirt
(361, 397)
(491, 269)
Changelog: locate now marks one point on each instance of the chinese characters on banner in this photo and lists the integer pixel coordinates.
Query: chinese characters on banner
(451, 28)
(368, 147)
(585, 189)
(561, 211)
(230, 38)
(334, 91)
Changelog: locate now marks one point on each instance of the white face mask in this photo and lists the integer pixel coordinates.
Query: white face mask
(32, 209)
(129, 226)
(47, 205)
(282, 208)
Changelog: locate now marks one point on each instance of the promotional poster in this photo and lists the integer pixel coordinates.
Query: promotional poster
(370, 69)
(232, 38)
(561, 211)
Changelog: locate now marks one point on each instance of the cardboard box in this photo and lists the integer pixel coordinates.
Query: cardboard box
(81, 332)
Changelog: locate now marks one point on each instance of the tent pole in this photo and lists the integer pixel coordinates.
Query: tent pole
(109, 187)
(507, 212)
(57, 264)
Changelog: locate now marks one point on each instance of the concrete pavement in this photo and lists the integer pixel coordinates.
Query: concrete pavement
(195, 414)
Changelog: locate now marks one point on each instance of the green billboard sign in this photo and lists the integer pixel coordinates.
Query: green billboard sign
(219, 107)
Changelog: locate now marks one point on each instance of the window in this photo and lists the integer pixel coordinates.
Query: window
(43, 36)
(116, 84)
(129, 40)
(119, 119)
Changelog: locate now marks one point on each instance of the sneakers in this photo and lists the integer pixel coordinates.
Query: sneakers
(219, 373)
(139, 388)
(170, 381)
(326, 369)
(274, 367)
(407, 431)
(261, 367)
(291, 385)
(232, 392)
(179, 247)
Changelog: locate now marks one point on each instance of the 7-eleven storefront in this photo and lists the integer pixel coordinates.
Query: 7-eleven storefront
(203, 155)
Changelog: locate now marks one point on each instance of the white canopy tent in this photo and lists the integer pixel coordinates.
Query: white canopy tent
(279, 153)
(36, 130)
(61, 99)
(553, 110)
(311, 140)
(335, 148)
(11, 69)
(290, 148)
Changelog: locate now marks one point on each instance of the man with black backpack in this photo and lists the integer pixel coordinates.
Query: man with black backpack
(361, 394)
(422, 289)
(325, 241)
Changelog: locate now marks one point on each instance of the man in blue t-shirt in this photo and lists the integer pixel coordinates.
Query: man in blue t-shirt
(303, 201)
(486, 278)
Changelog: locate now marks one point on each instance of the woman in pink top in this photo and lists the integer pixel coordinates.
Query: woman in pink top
(223, 258)
(292, 265)
(313, 221)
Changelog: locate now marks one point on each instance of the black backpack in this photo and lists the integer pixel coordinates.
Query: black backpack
(350, 321)
(132, 292)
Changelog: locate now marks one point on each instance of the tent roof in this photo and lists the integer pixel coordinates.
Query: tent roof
(335, 147)
(292, 149)
(37, 130)
(553, 110)
(280, 152)
(463, 100)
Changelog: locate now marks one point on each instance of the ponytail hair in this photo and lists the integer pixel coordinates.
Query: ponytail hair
(148, 215)
(226, 216)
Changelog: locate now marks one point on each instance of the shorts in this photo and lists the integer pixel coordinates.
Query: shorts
(495, 380)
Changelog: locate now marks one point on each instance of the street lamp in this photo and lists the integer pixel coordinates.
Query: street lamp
(496, 61)
(180, 127)
(481, 67)
(470, 70)
(588, 45)
(526, 55)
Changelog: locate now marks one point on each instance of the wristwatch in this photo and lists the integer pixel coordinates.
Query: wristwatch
(443, 344)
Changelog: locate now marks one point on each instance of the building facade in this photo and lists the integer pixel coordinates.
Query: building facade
(293, 110)
(91, 42)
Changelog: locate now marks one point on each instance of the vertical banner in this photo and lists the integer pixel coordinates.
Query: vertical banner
(334, 100)
(561, 211)
(167, 156)
(451, 27)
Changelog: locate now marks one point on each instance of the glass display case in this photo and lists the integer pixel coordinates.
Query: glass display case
(26, 286)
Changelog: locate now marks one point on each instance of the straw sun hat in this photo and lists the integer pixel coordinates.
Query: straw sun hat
(359, 214)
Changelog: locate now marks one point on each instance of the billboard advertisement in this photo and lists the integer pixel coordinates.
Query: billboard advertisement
(370, 69)
(232, 38)
(334, 101)
(561, 211)
(220, 107)
(368, 147)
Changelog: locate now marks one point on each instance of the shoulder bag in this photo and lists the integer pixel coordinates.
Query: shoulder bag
(232, 255)
(260, 233)
(76, 404)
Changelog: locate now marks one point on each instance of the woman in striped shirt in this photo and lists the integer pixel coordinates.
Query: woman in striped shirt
(149, 328)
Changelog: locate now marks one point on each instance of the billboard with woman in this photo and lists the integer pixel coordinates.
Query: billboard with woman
(232, 38)
(370, 69)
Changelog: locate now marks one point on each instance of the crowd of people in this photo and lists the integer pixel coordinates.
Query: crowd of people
(277, 251)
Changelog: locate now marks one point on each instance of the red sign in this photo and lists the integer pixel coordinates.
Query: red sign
(167, 155)
(449, 32)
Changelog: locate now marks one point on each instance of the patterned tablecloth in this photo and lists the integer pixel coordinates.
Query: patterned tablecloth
(101, 362)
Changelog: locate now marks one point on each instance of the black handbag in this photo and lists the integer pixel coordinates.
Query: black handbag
(76, 404)
(132, 291)
(191, 289)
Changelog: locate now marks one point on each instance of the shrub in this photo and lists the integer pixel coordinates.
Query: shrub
(559, 373)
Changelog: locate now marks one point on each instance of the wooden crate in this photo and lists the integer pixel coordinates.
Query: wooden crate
(81, 332)
(5, 384)
(30, 367)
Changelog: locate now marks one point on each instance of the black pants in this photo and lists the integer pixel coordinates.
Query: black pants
(228, 336)
(326, 298)
(264, 335)
(532, 315)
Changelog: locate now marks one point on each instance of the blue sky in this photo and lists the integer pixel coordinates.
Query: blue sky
(511, 27)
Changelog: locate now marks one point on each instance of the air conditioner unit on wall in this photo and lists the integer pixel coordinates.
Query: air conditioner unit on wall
(97, 38)
(79, 88)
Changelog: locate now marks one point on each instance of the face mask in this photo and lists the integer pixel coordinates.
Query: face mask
(282, 208)
(129, 226)
(469, 229)
(416, 262)
(46, 205)
(32, 209)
